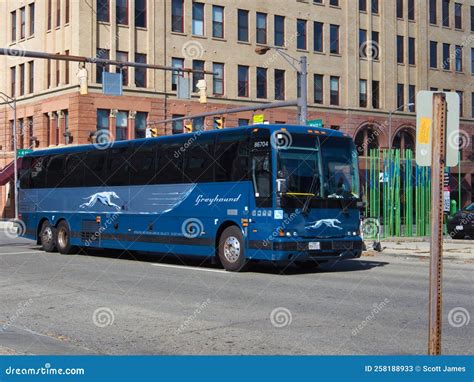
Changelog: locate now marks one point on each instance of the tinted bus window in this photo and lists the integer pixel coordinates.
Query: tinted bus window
(74, 170)
(198, 162)
(170, 164)
(231, 158)
(94, 163)
(55, 173)
(38, 172)
(117, 169)
(143, 165)
(25, 172)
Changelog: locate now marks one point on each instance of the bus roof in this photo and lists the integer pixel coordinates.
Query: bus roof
(275, 127)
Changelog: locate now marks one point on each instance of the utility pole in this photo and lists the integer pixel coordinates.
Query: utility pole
(438, 155)
(303, 97)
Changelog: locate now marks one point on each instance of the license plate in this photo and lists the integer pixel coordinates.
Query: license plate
(314, 245)
(459, 227)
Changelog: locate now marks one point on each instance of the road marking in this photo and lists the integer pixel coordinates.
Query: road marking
(18, 253)
(190, 268)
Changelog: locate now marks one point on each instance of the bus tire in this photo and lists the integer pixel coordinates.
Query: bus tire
(47, 237)
(231, 249)
(63, 242)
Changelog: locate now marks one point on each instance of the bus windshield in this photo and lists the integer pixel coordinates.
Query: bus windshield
(328, 171)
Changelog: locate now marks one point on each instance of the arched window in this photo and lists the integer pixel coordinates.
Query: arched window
(366, 139)
(404, 139)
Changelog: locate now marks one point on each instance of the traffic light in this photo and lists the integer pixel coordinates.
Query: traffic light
(202, 88)
(218, 123)
(188, 126)
(154, 132)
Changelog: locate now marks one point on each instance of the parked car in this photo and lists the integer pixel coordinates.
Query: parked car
(461, 224)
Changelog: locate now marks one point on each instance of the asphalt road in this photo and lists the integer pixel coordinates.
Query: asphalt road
(113, 303)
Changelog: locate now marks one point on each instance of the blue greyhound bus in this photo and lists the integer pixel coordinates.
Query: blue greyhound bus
(280, 193)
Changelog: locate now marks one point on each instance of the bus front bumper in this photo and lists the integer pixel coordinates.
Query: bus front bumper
(303, 250)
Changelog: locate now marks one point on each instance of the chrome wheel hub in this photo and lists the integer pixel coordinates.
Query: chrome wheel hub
(62, 238)
(47, 235)
(232, 249)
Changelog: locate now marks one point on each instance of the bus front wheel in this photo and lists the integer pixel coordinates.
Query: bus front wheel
(48, 237)
(64, 238)
(231, 249)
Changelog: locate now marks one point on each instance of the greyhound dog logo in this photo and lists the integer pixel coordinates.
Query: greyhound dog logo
(103, 197)
(328, 222)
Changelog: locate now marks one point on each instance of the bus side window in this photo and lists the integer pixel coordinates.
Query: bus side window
(142, 165)
(25, 172)
(198, 162)
(261, 173)
(231, 158)
(117, 168)
(170, 164)
(74, 170)
(55, 173)
(94, 168)
(38, 172)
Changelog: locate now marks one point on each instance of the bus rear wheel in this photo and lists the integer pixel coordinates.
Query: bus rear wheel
(231, 249)
(48, 237)
(64, 238)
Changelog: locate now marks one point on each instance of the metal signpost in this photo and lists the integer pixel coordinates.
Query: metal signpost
(437, 119)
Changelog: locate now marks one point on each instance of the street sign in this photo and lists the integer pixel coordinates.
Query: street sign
(258, 118)
(315, 123)
(23, 152)
(112, 83)
(424, 128)
(183, 90)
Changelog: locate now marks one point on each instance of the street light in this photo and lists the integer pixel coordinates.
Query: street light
(390, 122)
(12, 103)
(302, 70)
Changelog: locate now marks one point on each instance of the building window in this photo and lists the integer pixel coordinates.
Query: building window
(50, 16)
(445, 13)
(103, 10)
(363, 93)
(31, 78)
(198, 19)
(13, 21)
(66, 64)
(261, 28)
(461, 104)
(261, 83)
(176, 63)
(21, 133)
(411, 9)
(140, 73)
(411, 98)
(375, 7)
(376, 94)
(198, 124)
(301, 34)
(22, 79)
(122, 12)
(198, 65)
(103, 54)
(411, 51)
(400, 96)
(318, 89)
(334, 3)
(22, 23)
(334, 37)
(400, 50)
(279, 84)
(375, 46)
(13, 81)
(31, 11)
(218, 78)
(243, 81)
(363, 5)
(140, 125)
(103, 119)
(140, 13)
(123, 56)
(177, 16)
(217, 21)
(458, 15)
(400, 9)
(245, 122)
(433, 54)
(458, 51)
(362, 43)
(67, 10)
(472, 61)
(472, 18)
(334, 87)
(121, 125)
(318, 37)
(58, 14)
(433, 12)
(48, 73)
(243, 25)
(472, 108)
(279, 31)
(446, 58)
(177, 127)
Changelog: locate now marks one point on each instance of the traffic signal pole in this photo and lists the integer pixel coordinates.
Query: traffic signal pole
(303, 96)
